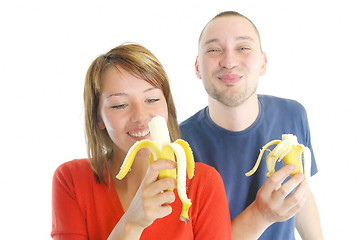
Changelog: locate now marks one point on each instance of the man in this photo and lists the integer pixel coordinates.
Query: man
(237, 123)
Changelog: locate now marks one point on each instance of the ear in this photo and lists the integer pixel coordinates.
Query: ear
(101, 124)
(264, 64)
(196, 66)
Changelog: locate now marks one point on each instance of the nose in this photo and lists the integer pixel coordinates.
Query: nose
(139, 113)
(228, 60)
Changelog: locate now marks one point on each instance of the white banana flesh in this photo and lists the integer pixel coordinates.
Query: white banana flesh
(290, 151)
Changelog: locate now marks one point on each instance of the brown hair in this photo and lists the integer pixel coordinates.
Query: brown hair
(138, 61)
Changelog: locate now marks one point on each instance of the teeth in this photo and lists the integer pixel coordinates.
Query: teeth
(139, 134)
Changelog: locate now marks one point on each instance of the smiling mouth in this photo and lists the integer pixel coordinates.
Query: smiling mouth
(230, 78)
(139, 134)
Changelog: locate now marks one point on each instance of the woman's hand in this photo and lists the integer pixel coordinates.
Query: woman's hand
(150, 202)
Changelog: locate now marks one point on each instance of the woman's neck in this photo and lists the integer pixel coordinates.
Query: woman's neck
(137, 171)
(127, 187)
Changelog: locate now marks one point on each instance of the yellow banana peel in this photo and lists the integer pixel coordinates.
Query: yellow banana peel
(161, 148)
(290, 151)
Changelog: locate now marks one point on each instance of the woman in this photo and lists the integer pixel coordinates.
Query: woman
(124, 89)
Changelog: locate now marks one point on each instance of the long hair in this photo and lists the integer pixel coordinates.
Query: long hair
(138, 61)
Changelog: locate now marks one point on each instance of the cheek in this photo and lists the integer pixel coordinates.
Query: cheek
(115, 129)
(110, 121)
(163, 111)
(253, 64)
(209, 65)
(206, 64)
(257, 62)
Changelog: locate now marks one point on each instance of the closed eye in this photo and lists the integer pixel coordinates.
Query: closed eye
(213, 50)
(152, 100)
(119, 106)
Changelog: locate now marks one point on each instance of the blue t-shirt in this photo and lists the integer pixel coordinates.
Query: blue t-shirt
(235, 153)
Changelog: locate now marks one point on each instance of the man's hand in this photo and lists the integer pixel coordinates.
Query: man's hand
(274, 203)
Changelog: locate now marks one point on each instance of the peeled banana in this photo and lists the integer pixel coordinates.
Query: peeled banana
(162, 148)
(290, 151)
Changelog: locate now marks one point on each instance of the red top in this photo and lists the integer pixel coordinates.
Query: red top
(84, 209)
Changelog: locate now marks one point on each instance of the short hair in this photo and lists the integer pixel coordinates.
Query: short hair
(138, 61)
(231, 13)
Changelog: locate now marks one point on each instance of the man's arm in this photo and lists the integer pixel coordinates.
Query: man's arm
(271, 204)
(308, 221)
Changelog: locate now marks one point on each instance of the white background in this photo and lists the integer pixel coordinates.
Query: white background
(47, 46)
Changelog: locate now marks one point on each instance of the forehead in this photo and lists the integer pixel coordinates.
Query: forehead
(227, 28)
(116, 78)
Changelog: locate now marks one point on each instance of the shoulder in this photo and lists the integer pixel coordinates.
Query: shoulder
(206, 175)
(195, 128)
(73, 171)
(195, 118)
(278, 100)
(206, 183)
(77, 165)
(281, 104)
(203, 169)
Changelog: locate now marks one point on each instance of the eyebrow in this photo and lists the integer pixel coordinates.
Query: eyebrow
(240, 38)
(124, 94)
